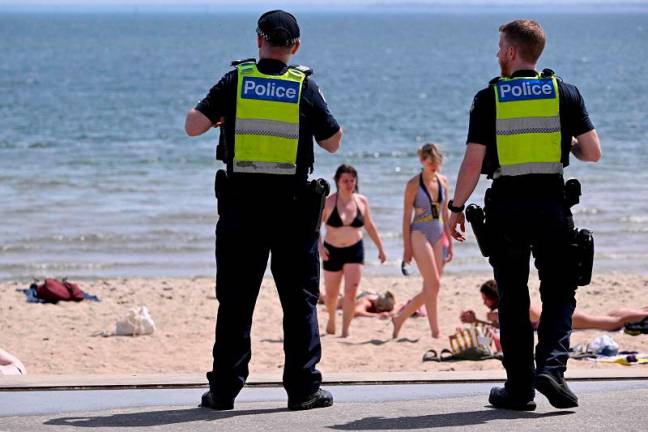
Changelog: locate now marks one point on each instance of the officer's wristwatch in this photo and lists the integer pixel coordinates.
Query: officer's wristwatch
(454, 209)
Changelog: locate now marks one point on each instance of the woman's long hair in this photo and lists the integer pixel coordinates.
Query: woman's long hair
(346, 169)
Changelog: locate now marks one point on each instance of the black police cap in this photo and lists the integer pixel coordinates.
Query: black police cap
(278, 27)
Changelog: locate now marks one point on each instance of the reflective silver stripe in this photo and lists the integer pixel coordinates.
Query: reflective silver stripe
(264, 167)
(267, 128)
(529, 168)
(526, 125)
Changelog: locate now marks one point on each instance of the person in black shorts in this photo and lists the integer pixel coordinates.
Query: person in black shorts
(345, 213)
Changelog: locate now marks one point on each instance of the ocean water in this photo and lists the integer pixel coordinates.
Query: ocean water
(97, 178)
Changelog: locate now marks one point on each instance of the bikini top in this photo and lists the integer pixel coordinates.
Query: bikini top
(424, 201)
(335, 221)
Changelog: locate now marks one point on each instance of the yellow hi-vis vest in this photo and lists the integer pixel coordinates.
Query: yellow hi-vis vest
(527, 126)
(266, 133)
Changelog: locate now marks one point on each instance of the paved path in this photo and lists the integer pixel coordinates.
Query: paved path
(605, 406)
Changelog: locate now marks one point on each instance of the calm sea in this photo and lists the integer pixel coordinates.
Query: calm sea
(97, 178)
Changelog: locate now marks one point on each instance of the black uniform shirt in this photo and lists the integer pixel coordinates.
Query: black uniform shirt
(574, 120)
(315, 120)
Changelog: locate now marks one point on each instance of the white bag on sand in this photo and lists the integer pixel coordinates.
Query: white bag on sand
(137, 322)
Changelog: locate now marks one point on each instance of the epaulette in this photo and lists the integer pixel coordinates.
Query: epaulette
(238, 62)
(547, 73)
(494, 80)
(303, 69)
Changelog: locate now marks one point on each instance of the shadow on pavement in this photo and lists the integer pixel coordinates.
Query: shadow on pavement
(156, 418)
(469, 418)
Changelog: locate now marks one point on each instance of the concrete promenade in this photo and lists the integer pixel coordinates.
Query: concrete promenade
(611, 400)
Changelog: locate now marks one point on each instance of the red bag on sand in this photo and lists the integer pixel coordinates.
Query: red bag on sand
(55, 290)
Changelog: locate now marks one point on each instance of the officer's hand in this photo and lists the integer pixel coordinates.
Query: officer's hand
(219, 123)
(457, 219)
(381, 256)
(324, 253)
(468, 317)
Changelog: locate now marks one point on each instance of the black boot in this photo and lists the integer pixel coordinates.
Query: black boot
(556, 391)
(320, 399)
(209, 400)
(500, 398)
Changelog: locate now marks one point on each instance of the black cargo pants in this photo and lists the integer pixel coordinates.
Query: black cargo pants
(523, 221)
(253, 225)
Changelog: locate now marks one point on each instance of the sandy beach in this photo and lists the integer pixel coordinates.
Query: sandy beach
(66, 338)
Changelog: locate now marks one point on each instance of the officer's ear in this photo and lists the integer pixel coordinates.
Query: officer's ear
(513, 52)
(295, 47)
(259, 41)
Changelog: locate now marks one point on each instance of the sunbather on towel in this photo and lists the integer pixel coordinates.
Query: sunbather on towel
(10, 365)
(581, 320)
(370, 304)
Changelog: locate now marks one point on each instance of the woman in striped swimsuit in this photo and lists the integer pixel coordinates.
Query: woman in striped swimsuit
(425, 207)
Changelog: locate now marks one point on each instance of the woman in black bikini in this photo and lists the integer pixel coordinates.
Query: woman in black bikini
(345, 213)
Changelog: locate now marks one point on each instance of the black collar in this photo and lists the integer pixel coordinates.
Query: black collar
(524, 73)
(271, 66)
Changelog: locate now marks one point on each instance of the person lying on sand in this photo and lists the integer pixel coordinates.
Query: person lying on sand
(581, 320)
(370, 304)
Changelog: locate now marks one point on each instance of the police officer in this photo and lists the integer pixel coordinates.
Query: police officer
(523, 127)
(269, 113)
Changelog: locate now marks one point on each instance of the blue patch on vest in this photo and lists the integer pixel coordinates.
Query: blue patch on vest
(270, 89)
(518, 90)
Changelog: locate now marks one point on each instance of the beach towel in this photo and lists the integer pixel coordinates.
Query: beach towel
(623, 359)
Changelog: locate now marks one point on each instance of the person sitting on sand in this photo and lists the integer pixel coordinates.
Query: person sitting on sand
(581, 320)
(10, 365)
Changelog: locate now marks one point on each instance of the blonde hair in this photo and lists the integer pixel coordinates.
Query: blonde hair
(431, 151)
(385, 302)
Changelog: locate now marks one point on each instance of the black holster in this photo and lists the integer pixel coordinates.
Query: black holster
(582, 250)
(582, 242)
(222, 152)
(477, 218)
(312, 198)
(221, 189)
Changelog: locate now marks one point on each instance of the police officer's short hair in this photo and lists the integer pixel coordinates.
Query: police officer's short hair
(527, 36)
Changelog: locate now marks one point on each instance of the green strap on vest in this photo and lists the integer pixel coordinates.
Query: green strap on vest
(528, 134)
(266, 133)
